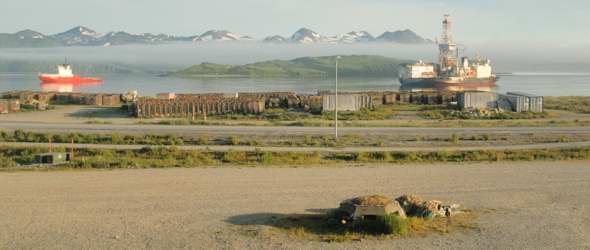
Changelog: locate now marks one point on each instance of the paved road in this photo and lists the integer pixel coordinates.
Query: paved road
(540, 205)
(321, 149)
(252, 130)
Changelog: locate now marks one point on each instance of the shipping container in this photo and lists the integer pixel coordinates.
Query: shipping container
(347, 102)
(532, 103)
(477, 100)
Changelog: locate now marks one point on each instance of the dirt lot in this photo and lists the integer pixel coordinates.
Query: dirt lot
(82, 114)
(528, 205)
(70, 114)
(108, 120)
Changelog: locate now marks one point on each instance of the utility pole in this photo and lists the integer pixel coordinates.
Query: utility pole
(72, 150)
(336, 102)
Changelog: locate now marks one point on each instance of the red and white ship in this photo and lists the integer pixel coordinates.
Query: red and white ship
(65, 75)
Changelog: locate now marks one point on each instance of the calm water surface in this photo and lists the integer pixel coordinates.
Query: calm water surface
(541, 84)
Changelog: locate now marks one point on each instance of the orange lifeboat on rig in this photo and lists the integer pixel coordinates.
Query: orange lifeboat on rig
(65, 75)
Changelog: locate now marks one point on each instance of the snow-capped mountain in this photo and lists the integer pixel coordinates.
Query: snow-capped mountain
(402, 36)
(353, 37)
(275, 39)
(29, 34)
(305, 35)
(219, 35)
(78, 36)
(27, 39)
(83, 36)
(121, 38)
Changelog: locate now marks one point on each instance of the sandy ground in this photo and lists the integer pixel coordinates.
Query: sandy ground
(76, 114)
(70, 114)
(540, 205)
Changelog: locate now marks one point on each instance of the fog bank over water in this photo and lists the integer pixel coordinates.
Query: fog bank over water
(505, 57)
(559, 71)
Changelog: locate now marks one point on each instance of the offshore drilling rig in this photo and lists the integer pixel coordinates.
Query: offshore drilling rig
(450, 73)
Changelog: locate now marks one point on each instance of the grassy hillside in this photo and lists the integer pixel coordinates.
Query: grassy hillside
(350, 66)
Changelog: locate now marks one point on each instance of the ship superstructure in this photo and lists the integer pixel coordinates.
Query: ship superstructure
(452, 73)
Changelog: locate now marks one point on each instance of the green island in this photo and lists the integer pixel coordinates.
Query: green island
(349, 66)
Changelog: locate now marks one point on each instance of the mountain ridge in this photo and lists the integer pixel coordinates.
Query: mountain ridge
(84, 36)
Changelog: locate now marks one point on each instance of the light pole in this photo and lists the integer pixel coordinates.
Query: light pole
(336, 102)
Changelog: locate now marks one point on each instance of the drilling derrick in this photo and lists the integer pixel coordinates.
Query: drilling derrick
(448, 49)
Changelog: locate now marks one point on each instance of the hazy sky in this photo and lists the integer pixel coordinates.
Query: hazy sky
(561, 23)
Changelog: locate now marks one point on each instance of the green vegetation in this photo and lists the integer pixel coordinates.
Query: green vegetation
(233, 140)
(455, 139)
(441, 114)
(98, 122)
(383, 116)
(284, 115)
(117, 139)
(326, 228)
(418, 107)
(390, 224)
(271, 114)
(381, 113)
(350, 66)
(169, 140)
(579, 104)
(347, 140)
(158, 157)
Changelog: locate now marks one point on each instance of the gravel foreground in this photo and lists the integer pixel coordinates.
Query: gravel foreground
(530, 205)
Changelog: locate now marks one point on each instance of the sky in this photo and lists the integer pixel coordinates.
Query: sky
(551, 22)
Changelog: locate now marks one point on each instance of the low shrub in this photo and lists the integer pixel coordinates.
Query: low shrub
(569, 103)
(203, 140)
(6, 162)
(480, 115)
(233, 140)
(158, 157)
(380, 113)
(235, 157)
(384, 225)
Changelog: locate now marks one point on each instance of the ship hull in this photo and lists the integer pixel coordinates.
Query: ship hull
(438, 84)
(73, 80)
